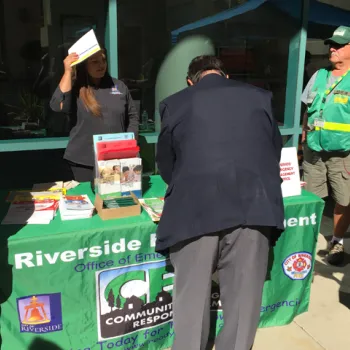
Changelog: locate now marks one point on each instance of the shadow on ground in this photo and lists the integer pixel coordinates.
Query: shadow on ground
(329, 271)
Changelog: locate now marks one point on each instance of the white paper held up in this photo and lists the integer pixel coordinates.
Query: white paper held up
(85, 47)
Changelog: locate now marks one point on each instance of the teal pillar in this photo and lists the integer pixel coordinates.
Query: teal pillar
(111, 37)
(295, 75)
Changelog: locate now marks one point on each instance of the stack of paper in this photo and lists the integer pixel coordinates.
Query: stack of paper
(76, 207)
(34, 211)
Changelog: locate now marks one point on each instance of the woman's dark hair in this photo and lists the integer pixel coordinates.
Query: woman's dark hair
(84, 88)
(204, 63)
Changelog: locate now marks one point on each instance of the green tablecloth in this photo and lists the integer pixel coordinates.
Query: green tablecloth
(93, 284)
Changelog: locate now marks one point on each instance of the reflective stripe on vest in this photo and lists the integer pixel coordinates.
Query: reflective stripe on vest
(334, 127)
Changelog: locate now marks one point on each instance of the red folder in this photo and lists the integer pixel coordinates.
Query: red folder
(107, 150)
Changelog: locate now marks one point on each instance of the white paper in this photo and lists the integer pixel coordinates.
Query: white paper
(70, 184)
(85, 47)
(29, 213)
(290, 172)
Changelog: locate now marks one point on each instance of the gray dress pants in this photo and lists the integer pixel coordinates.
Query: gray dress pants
(240, 256)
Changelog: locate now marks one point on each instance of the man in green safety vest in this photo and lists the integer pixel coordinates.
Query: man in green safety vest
(326, 130)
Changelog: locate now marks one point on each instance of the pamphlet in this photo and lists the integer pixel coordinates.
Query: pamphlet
(153, 207)
(131, 177)
(108, 180)
(85, 47)
(77, 202)
(289, 172)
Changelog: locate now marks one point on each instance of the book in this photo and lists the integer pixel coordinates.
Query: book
(153, 207)
(76, 207)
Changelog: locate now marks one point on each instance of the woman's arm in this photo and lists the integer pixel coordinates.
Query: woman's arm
(61, 100)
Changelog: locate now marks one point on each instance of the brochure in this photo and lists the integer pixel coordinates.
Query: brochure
(85, 47)
(153, 207)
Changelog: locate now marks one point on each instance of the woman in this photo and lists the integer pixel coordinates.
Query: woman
(96, 103)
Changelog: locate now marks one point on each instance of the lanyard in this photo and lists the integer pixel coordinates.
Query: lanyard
(330, 89)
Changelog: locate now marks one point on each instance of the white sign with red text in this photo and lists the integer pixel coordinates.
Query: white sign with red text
(290, 172)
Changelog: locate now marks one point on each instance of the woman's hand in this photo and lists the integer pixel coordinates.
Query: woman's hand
(66, 81)
(69, 60)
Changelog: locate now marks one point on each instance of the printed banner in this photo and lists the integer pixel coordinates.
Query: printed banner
(108, 289)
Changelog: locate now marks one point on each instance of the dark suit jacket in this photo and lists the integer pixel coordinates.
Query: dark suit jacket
(218, 151)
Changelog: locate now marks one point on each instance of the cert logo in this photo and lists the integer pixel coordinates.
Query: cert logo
(40, 313)
(134, 297)
(297, 266)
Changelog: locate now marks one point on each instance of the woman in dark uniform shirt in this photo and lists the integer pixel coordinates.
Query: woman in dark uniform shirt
(96, 103)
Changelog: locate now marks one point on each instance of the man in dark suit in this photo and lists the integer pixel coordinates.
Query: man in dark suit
(218, 151)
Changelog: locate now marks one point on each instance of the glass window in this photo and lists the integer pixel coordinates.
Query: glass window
(144, 39)
(254, 46)
(34, 40)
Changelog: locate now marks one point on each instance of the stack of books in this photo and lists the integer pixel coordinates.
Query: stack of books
(76, 207)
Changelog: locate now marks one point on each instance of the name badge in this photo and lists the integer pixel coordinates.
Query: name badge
(115, 91)
(342, 92)
(318, 123)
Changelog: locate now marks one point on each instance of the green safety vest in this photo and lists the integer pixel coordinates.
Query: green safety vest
(329, 118)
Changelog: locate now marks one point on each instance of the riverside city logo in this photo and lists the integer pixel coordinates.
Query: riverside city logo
(297, 266)
(40, 313)
(134, 297)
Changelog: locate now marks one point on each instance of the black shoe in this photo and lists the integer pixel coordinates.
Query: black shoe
(336, 253)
